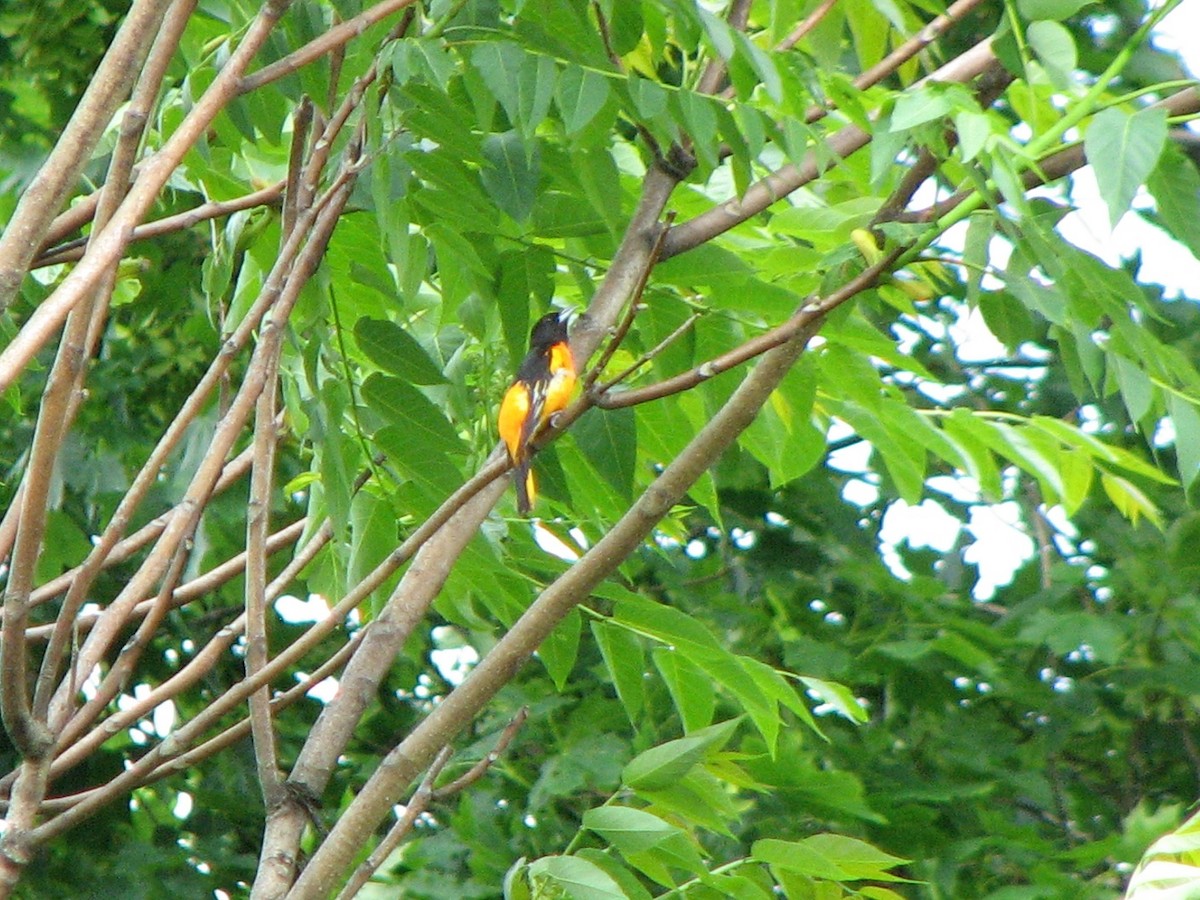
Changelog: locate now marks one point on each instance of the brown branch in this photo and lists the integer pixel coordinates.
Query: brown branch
(646, 357)
(811, 21)
(252, 385)
(331, 40)
(422, 797)
(123, 550)
(914, 45)
(182, 760)
(606, 36)
(85, 324)
(197, 587)
(802, 319)
(109, 243)
(73, 749)
(631, 308)
(45, 194)
(74, 250)
(302, 119)
(279, 290)
(258, 523)
(714, 73)
(991, 86)
(783, 181)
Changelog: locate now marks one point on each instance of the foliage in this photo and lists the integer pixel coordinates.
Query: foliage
(767, 693)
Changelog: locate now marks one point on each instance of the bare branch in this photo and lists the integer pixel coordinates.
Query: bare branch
(336, 37)
(57, 176)
(802, 319)
(811, 21)
(108, 244)
(74, 250)
(421, 799)
(258, 522)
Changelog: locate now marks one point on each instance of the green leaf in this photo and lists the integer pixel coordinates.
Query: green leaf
(829, 856)
(1175, 186)
(431, 474)
(762, 64)
(578, 878)
(690, 687)
(1130, 501)
(855, 855)
(1064, 632)
(512, 173)
(581, 95)
(561, 648)
(916, 107)
(665, 764)
(1055, 49)
(1123, 150)
(795, 856)
(707, 264)
(694, 640)
(837, 696)
(620, 874)
(1032, 10)
(904, 457)
(399, 403)
(627, 829)
(1137, 391)
(626, 663)
(698, 797)
(1186, 419)
(396, 351)
(608, 439)
(522, 82)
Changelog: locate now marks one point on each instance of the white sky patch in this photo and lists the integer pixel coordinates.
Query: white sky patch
(323, 691)
(1164, 260)
(295, 611)
(1001, 546)
(924, 525)
(1177, 33)
(973, 341)
(455, 663)
(553, 544)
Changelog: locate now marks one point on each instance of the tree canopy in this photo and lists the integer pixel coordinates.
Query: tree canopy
(272, 625)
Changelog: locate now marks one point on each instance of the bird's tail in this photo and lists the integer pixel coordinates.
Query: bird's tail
(526, 487)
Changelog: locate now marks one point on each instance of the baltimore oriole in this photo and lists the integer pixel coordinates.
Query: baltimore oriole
(542, 387)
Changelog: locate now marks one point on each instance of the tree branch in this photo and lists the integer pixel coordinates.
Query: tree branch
(58, 174)
(109, 243)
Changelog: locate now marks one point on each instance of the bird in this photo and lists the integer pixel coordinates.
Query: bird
(543, 386)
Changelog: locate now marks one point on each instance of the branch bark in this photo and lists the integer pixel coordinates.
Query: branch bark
(58, 174)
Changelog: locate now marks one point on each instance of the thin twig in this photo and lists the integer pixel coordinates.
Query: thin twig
(648, 355)
(258, 523)
(631, 308)
(423, 796)
(335, 37)
(811, 21)
(74, 250)
(807, 314)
